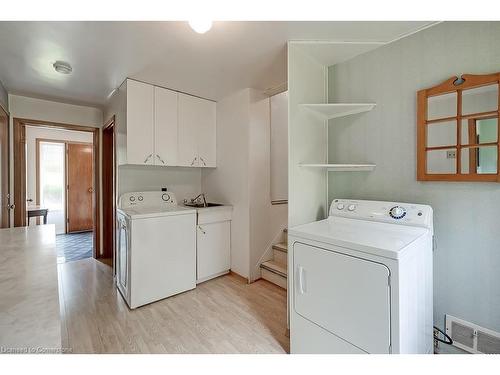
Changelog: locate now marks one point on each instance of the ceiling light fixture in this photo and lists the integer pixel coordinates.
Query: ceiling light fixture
(201, 26)
(62, 67)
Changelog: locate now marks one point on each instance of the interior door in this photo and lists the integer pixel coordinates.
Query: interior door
(345, 295)
(165, 127)
(189, 119)
(206, 132)
(4, 170)
(80, 187)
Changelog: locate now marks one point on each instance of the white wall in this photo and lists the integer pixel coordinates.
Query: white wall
(32, 133)
(267, 221)
(242, 179)
(228, 183)
(307, 137)
(467, 258)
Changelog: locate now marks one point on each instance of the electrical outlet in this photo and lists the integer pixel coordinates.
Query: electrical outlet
(452, 154)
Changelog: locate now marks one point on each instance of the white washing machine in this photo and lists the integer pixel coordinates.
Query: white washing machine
(156, 247)
(360, 281)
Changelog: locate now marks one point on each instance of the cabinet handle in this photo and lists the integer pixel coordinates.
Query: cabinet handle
(192, 163)
(201, 229)
(205, 164)
(160, 159)
(147, 158)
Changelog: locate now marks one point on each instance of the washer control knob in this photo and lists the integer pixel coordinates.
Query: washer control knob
(165, 197)
(397, 212)
(140, 198)
(340, 206)
(351, 207)
(132, 198)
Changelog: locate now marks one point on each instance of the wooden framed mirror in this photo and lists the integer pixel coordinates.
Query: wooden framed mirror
(458, 130)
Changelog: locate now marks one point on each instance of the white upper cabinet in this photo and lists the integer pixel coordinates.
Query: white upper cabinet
(165, 120)
(197, 132)
(140, 129)
(157, 126)
(207, 131)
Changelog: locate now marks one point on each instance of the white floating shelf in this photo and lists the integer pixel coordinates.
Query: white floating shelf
(342, 167)
(336, 110)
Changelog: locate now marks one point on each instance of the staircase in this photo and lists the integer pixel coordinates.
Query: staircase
(275, 270)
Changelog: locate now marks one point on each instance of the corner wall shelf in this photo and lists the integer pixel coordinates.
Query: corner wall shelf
(342, 167)
(336, 110)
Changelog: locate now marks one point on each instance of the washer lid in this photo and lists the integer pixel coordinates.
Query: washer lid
(144, 212)
(382, 239)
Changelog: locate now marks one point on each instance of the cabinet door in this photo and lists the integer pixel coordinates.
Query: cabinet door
(139, 123)
(213, 249)
(207, 133)
(165, 120)
(190, 117)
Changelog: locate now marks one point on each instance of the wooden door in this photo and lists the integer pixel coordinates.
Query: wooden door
(80, 187)
(140, 103)
(206, 132)
(4, 170)
(165, 127)
(189, 118)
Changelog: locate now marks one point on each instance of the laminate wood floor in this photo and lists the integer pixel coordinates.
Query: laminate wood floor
(224, 315)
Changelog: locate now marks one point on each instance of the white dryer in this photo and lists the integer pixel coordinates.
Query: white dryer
(156, 247)
(360, 281)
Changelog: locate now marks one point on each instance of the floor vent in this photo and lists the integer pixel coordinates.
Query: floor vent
(471, 337)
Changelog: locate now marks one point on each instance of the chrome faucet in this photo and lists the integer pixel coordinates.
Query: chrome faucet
(202, 195)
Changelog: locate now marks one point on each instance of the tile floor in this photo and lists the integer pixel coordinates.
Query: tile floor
(74, 246)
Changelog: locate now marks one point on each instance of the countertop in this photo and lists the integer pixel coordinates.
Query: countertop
(29, 297)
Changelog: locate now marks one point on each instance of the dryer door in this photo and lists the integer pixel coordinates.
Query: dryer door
(345, 295)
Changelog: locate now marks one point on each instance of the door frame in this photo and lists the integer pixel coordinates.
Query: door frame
(109, 200)
(19, 130)
(9, 192)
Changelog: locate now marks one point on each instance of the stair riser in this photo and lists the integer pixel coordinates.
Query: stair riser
(273, 278)
(280, 256)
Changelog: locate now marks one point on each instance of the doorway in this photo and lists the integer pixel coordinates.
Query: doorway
(108, 191)
(64, 188)
(67, 183)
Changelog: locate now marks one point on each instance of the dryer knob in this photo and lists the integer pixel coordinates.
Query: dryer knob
(165, 197)
(397, 212)
(132, 198)
(351, 207)
(340, 206)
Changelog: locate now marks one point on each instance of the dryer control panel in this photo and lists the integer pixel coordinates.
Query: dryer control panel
(387, 212)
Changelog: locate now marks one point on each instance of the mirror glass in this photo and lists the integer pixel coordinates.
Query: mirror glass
(480, 99)
(442, 106)
(442, 134)
(442, 161)
(479, 131)
(479, 160)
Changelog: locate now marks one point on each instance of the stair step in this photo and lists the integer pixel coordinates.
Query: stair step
(275, 267)
(280, 257)
(281, 247)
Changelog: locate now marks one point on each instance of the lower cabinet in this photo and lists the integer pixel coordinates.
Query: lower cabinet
(213, 249)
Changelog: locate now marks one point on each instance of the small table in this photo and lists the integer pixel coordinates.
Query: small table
(36, 211)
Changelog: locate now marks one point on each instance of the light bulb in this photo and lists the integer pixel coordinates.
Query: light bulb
(200, 26)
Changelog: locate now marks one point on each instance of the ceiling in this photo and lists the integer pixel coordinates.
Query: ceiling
(231, 56)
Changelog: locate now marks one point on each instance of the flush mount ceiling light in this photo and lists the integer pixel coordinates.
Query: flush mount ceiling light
(200, 26)
(62, 67)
